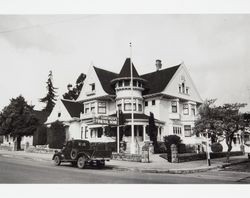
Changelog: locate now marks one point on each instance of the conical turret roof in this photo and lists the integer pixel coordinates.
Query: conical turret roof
(126, 71)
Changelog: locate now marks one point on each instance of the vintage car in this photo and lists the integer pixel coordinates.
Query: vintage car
(78, 152)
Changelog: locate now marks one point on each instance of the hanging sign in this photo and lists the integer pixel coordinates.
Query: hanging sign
(105, 120)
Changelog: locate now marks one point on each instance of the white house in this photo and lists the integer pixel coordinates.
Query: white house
(168, 93)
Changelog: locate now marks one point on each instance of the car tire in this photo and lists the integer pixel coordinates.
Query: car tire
(57, 160)
(81, 162)
(73, 154)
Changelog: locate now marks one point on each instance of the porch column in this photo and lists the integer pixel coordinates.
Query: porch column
(144, 133)
(158, 133)
(137, 130)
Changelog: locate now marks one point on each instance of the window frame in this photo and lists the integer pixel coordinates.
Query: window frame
(172, 109)
(102, 107)
(185, 110)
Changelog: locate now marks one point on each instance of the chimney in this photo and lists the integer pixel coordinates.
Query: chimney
(158, 64)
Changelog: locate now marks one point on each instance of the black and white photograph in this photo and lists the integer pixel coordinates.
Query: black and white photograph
(93, 98)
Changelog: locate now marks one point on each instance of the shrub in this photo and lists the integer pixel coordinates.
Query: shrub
(181, 148)
(190, 148)
(56, 135)
(216, 147)
(161, 148)
(169, 140)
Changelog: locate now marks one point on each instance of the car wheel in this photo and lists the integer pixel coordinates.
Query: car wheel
(73, 154)
(81, 162)
(57, 160)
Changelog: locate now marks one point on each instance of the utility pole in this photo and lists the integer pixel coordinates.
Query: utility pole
(118, 132)
(208, 150)
(132, 145)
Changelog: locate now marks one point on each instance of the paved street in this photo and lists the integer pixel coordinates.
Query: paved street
(21, 170)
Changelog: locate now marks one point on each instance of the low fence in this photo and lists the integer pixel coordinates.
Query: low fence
(185, 157)
(40, 149)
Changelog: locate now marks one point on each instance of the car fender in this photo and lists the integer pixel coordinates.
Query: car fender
(83, 154)
(57, 154)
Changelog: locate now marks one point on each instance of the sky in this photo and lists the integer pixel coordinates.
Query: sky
(214, 48)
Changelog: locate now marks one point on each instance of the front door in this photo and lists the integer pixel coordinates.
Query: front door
(67, 150)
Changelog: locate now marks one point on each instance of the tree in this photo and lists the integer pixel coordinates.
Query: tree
(56, 135)
(74, 92)
(50, 98)
(220, 121)
(18, 120)
(152, 131)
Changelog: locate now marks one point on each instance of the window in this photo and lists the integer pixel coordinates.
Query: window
(139, 107)
(179, 88)
(193, 109)
(134, 83)
(183, 87)
(127, 83)
(120, 84)
(86, 132)
(177, 130)
(187, 90)
(92, 86)
(99, 132)
(102, 107)
(86, 108)
(92, 108)
(187, 130)
(127, 107)
(153, 102)
(174, 106)
(185, 109)
(81, 132)
(139, 84)
(146, 103)
(59, 114)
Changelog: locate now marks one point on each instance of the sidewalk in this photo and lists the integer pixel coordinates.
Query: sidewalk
(158, 164)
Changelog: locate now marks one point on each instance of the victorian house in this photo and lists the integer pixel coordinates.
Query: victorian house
(169, 93)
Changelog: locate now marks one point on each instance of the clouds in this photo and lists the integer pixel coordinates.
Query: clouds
(213, 47)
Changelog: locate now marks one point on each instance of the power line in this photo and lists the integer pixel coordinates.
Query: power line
(46, 24)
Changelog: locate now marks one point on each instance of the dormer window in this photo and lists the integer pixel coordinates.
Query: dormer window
(59, 114)
(187, 90)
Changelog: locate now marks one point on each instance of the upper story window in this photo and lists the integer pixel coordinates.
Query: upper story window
(92, 108)
(120, 83)
(126, 82)
(92, 87)
(139, 107)
(146, 103)
(86, 108)
(185, 109)
(127, 105)
(187, 130)
(174, 106)
(102, 107)
(193, 109)
(153, 102)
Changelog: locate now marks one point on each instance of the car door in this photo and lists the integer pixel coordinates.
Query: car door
(67, 150)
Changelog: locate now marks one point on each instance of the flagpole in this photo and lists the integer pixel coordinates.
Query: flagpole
(132, 145)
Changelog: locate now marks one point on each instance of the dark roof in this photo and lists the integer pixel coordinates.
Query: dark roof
(41, 116)
(105, 77)
(74, 108)
(126, 72)
(158, 80)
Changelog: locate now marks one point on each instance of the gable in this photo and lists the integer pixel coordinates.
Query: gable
(182, 76)
(59, 108)
(92, 78)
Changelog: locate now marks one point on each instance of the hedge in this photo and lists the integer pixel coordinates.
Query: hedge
(202, 156)
(56, 135)
(40, 136)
